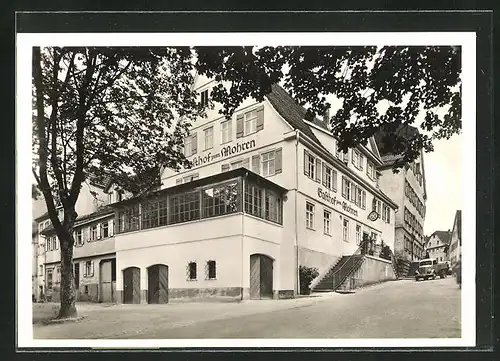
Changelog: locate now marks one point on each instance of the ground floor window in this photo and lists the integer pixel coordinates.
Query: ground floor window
(49, 279)
(191, 271)
(358, 234)
(211, 270)
(89, 269)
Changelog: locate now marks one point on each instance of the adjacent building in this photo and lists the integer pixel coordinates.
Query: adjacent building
(438, 244)
(455, 251)
(408, 190)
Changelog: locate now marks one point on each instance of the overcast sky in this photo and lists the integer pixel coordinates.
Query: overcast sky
(443, 173)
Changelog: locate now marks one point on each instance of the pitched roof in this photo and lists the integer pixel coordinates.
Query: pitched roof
(292, 112)
(444, 236)
(86, 218)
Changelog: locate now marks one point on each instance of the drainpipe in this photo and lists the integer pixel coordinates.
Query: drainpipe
(296, 193)
(243, 233)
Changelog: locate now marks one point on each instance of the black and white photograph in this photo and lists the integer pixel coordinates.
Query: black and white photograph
(290, 189)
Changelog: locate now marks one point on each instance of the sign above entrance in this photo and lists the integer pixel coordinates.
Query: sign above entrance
(373, 216)
(336, 202)
(226, 151)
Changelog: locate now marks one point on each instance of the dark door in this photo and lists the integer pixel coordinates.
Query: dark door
(158, 284)
(266, 277)
(77, 276)
(132, 285)
(163, 283)
(261, 277)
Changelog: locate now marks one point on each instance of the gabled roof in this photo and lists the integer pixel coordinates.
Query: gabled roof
(86, 218)
(292, 112)
(444, 236)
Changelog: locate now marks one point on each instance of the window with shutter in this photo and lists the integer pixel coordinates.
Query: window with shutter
(239, 126)
(260, 118)
(194, 143)
(268, 163)
(256, 164)
(225, 131)
(318, 170)
(224, 167)
(278, 163)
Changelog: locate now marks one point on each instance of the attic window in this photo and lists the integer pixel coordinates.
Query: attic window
(204, 97)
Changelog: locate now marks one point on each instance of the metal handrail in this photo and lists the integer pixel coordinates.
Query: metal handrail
(357, 252)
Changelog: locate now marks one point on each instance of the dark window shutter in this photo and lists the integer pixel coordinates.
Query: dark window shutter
(278, 161)
(260, 118)
(318, 170)
(224, 167)
(239, 126)
(194, 144)
(256, 164)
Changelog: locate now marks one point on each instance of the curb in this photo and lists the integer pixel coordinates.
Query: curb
(64, 320)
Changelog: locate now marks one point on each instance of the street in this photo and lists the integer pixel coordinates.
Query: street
(398, 309)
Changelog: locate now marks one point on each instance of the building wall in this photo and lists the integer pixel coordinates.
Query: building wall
(88, 282)
(437, 248)
(455, 247)
(373, 270)
(314, 247)
(229, 240)
(409, 243)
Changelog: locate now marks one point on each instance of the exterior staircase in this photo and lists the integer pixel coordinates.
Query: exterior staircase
(338, 273)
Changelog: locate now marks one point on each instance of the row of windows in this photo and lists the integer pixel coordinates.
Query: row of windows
(358, 160)
(327, 224)
(415, 167)
(412, 248)
(211, 201)
(266, 164)
(247, 123)
(412, 196)
(210, 270)
(412, 222)
(92, 233)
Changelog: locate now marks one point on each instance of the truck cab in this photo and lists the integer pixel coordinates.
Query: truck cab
(431, 268)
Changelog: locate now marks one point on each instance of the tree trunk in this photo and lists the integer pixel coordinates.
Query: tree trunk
(68, 296)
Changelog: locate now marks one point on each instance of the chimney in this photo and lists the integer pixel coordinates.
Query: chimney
(326, 117)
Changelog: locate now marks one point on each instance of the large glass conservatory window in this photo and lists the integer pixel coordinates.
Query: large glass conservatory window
(220, 199)
(184, 207)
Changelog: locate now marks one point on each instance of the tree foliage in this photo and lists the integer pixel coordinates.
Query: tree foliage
(119, 112)
(378, 89)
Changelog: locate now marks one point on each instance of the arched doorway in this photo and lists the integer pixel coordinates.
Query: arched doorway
(132, 285)
(158, 284)
(261, 277)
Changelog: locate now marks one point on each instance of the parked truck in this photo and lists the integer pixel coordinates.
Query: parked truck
(431, 268)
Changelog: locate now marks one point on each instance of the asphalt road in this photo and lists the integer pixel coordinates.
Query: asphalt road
(399, 309)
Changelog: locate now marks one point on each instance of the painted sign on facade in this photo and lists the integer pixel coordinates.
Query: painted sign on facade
(226, 151)
(337, 202)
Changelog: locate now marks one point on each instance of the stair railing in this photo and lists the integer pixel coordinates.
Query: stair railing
(343, 272)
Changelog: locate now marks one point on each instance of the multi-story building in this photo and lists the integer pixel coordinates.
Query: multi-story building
(268, 191)
(455, 251)
(407, 188)
(94, 248)
(437, 245)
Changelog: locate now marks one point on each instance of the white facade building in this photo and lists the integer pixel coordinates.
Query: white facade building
(268, 191)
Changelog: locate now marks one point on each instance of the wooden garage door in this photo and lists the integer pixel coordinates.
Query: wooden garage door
(132, 285)
(163, 283)
(266, 277)
(255, 276)
(106, 293)
(261, 276)
(158, 284)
